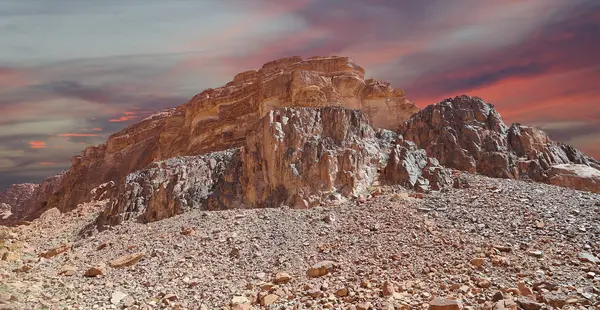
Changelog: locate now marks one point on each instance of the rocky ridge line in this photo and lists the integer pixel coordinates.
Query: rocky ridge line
(218, 119)
(468, 134)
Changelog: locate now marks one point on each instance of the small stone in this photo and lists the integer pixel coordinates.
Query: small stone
(502, 248)
(343, 292)
(524, 290)
(127, 260)
(187, 231)
(55, 251)
(363, 306)
(269, 299)
(540, 224)
(498, 296)
(498, 260)
(116, 297)
(128, 301)
(329, 218)
(388, 288)
(282, 278)
(555, 300)
(320, 269)
(478, 262)
(590, 275)
(169, 297)
(67, 271)
(95, 271)
(24, 268)
(10, 256)
(484, 283)
(315, 293)
(588, 258)
(528, 304)
(238, 300)
(444, 304)
(536, 254)
(101, 246)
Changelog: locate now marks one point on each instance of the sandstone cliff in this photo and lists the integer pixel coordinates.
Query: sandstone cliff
(296, 157)
(301, 158)
(218, 119)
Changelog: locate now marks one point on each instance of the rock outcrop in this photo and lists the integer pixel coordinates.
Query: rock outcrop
(163, 189)
(297, 157)
(410, 167)
(13, 199)
(302, 158)
(468, 134)
(218, 119)
(27, 195)
(575, 176)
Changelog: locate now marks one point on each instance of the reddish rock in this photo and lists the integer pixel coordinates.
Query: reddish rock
(320, 269)
(95, 271)
(468, 134)
(126, 260)
(56, 251)
(444, 304)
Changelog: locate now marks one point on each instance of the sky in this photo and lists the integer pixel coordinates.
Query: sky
(72, 72)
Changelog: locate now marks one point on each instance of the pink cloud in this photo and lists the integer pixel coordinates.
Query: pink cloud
(37, 144)
(77, 135)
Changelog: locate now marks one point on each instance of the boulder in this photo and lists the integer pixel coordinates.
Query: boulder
(577, 176)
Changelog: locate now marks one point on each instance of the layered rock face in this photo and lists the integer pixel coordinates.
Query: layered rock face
(302, 158)
(163, 189)
(297, 157)
(218, 119)
(410, 167)
(24, 196)
(12, 199)
(575, 176)
(468, 134)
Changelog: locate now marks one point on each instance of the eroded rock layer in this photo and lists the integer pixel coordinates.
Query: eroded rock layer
(218, 119)
(163, 189)
(468, 134)
(12, 199)
(296, 157)
(301, 158)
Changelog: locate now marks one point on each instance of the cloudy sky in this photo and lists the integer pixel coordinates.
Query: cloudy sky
(73, 72)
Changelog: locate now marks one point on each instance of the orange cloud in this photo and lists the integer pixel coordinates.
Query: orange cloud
(37, 144)
(47, 163)
(77, 135)
(122, 119)
(97, 129)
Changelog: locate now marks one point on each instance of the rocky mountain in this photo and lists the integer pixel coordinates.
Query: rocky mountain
(311, 132)
(218, 119)
(333, 192)
(468, 134)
